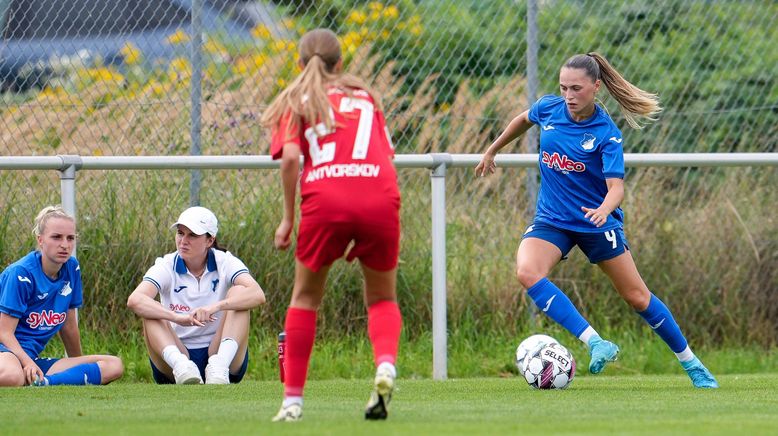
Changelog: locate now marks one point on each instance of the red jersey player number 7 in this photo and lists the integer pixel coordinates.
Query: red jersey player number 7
(350, 198)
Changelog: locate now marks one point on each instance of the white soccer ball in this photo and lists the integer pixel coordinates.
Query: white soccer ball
(550, 367)
(529, 346)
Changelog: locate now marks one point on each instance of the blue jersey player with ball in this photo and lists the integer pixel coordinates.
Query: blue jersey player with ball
(582, 185)
(39, 297)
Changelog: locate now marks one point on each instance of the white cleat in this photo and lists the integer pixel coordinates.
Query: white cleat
(216, 374)
(290, 413)
(377, 406)
(187, 374)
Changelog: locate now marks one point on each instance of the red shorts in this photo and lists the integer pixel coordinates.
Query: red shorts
(320, 243)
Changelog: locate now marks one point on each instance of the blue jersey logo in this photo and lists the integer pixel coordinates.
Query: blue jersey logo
(215, 284)
(179, 289)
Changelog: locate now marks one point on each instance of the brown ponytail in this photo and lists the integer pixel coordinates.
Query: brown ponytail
(639, 106)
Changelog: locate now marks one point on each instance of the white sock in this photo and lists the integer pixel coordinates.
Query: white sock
(587, 335)
(386, 365)
(173, 356)
(685, 355)
(227, 349)
(288, 401)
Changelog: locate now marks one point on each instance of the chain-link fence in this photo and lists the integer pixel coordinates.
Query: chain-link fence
(176, 77)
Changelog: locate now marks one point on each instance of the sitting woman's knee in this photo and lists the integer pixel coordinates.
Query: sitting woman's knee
(10, 376)
(111, 368)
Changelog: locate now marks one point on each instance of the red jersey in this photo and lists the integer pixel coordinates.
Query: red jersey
(349, 170)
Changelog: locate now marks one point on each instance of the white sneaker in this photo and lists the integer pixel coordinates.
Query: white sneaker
(290, 413)
(187, 374)
(377, 406)
(216, 374)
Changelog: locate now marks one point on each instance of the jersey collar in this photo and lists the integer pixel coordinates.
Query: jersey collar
(210, 263)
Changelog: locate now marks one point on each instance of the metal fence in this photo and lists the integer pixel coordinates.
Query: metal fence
(100, 78)
(438, 163)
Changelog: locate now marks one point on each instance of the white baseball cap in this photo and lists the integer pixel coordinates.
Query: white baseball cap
(199, 220)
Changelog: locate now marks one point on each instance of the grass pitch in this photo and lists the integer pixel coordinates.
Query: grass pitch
(659, 404)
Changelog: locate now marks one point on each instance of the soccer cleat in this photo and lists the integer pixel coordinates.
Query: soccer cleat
(701, 377)
(601, 352)
(290, 413)
(216, 374)
(377, 406)
(187, 374)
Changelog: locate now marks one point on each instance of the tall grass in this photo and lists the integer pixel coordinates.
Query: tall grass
(705, 240)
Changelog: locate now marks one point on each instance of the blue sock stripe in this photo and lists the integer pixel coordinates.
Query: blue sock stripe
(84, 374)
(659, 318)
(554, 303)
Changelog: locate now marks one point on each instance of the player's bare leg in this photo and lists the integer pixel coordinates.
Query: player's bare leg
(300, 328)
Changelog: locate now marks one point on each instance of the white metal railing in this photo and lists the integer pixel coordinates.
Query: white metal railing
(68, 165)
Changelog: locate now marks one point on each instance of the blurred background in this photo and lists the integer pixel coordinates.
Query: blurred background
(181, 77)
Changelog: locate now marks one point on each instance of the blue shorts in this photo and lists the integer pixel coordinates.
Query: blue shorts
(200, 357)
(597, 246)
(44, 363)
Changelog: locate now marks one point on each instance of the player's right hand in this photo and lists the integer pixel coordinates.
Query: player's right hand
(283, 237)
(32, 372)
(486, 166)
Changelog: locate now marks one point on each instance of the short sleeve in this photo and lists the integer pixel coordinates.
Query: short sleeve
(234, 267)
(383, 127)
(77, 300)
(537, 109)
(160, 274)
(613, 157)
(16, 289)
(282, 135)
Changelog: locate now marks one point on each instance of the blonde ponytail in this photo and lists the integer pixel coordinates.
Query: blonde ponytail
(305, 99)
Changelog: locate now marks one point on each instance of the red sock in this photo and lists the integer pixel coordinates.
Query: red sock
(300, 328)
(384, 324)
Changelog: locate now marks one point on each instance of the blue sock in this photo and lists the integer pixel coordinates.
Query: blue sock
(554, 303)
(84, 374)
(659, 318)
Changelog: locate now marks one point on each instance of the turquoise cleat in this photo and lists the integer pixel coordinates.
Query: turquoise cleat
(701, 377)
(601, 352)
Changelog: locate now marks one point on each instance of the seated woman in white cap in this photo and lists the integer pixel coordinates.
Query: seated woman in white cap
(199, 328)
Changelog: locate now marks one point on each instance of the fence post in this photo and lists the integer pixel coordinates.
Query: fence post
(440, 161)
(195, 98)
(67, 181)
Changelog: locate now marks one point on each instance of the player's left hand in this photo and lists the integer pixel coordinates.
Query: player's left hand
(597, 216)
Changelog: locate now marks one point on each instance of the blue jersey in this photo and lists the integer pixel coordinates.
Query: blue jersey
(40, 303)
(575, 159)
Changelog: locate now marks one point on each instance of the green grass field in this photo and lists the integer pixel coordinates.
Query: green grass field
(661, 404)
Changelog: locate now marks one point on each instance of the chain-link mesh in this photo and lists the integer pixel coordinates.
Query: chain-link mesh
(99, 77)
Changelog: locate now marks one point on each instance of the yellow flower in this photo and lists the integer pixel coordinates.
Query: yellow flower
(288, 23)
(249, 65)
(99, 74)
(179, 37)
(391, 12)
(282, 44)
(261, 31)
(385, 34)
(375, 15)
(416, 30)
(179, 70)
(281, 83)
(156, 89)
(214, 47)
(356, 17)
(375, 6)
(351, 41)
(444, 107)
(131, 53)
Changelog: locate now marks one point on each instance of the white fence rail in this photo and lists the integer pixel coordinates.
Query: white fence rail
(69, 165)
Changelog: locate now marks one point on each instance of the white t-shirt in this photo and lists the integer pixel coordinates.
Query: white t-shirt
(181, 292)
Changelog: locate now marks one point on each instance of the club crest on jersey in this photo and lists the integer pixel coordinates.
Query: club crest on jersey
(588, 141)
(46, 319)
(562, 163)
(66, 290)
